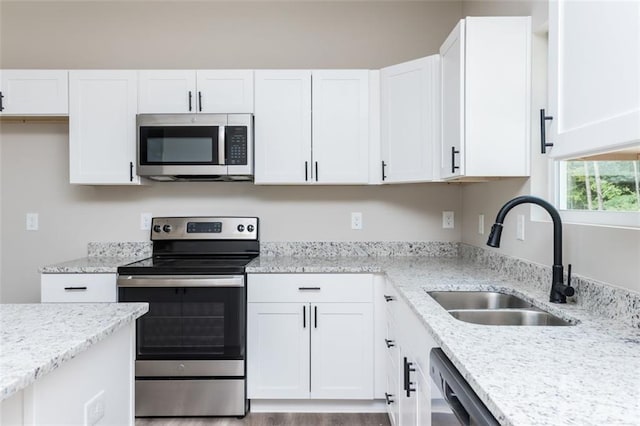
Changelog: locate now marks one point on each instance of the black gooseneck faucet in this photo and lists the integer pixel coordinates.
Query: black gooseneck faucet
(559, 291)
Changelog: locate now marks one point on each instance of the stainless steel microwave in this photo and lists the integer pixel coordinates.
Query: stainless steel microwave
(195, 147)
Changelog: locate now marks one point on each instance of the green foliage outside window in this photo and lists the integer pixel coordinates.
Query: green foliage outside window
(603, 185)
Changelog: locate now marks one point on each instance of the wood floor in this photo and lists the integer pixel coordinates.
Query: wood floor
(277, 419)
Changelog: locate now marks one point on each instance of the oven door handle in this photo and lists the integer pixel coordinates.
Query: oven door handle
(180, 281)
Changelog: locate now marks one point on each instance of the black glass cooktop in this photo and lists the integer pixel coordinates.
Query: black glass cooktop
(189, 265)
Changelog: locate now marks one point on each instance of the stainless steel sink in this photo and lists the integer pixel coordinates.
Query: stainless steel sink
(477, 300)
(494, 308)
(508, 317)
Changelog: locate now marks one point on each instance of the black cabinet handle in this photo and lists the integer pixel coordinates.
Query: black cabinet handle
(190, 96)
(387, 397)
(130, 171)
(200, 101)
(383, 167)
(75, 288)
(316, 171)
(309, 288)
(543, 132)
(389, 343)
(304, 316)
(408, 369)
(315, 317)
(1, 107)
(306, 171)
(454, 151)
(388, 298)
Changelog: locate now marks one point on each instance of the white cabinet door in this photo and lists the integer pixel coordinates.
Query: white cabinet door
(342, 351)
(486, 92)
(78, 288)
(225, 91)
(102, 127)
(34, 92)
(594, 69)
(278, 350)
(282, 127)
(452, 65)
(166, 91)
(340, 126)
(423, 396)
(410, 127)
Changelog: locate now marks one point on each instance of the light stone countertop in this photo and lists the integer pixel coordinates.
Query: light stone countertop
(587, 374)
(89, 265)
(35, 339)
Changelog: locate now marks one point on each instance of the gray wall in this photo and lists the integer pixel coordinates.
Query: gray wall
(34, 163)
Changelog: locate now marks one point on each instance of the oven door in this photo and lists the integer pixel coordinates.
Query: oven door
(189, 318)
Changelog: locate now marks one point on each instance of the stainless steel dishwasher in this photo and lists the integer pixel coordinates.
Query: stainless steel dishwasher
(463, 401)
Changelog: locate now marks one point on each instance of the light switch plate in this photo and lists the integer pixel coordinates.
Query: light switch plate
(145, 221)
(32, 222)
(356, 220)
(520, 228)
(481, 224)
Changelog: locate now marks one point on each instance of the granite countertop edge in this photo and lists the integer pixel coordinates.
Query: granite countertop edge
(31, 374)
(89, 265)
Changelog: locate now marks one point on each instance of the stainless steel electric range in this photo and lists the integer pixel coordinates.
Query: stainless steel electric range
(190, 346)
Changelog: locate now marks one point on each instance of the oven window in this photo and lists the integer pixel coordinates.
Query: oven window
(189, 323)
(179, 145)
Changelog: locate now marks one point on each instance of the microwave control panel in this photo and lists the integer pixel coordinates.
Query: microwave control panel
(237, 145)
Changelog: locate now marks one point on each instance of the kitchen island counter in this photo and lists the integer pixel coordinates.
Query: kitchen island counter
(36, 339)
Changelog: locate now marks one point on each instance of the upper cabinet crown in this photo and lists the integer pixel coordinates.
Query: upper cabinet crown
(486, 91)
(594, 76)
(410, 114)
(188, 91)
(33, 92)
(312, 126)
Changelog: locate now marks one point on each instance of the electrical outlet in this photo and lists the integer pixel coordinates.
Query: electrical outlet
(356, 220)
(520, 228)
(94, 409)
(32, 221)
(481, 224)
(145, 221)
(447, 220)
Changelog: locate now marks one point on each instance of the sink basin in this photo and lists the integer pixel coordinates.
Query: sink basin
(477, 300)
(508, 317)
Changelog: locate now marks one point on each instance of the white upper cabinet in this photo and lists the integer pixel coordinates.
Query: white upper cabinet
(410, 128)
(282, 127)
(486, 92)
(594, 76)
(102, 127)
(288, 151)
(189, 91)
(34, 92)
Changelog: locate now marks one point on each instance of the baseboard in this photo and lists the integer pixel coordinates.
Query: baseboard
(317, 406)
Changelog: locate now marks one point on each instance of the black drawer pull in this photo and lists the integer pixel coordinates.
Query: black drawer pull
(389, 298)
(190, 97)
(315, 317)
(384, 165)
(388, 396)
(304, 316)
(75, 288)
(200, 101)
(309, 288)
(389, 343)
(454, 151)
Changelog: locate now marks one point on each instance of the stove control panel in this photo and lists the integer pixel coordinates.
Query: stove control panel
(204, 228)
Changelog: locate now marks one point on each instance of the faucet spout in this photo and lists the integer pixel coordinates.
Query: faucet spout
(559, 291)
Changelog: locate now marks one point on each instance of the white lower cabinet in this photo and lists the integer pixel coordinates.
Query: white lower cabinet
(306, 341)
(78, 288)
(409, 396)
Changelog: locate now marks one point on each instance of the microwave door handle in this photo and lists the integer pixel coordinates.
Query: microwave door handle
(221, 146)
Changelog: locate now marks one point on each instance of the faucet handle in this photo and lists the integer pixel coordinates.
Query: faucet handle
(569, 291)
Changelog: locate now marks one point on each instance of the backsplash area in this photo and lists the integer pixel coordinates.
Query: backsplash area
(359, 248)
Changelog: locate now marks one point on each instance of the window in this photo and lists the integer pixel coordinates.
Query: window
(599, 190)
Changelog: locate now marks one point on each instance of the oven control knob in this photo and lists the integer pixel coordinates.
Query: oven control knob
(240, 228)
(250, 228)
(157, 228)
(166, 228)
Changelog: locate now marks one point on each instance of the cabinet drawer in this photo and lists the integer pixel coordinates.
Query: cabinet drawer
(78, 288)
(310, 288)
